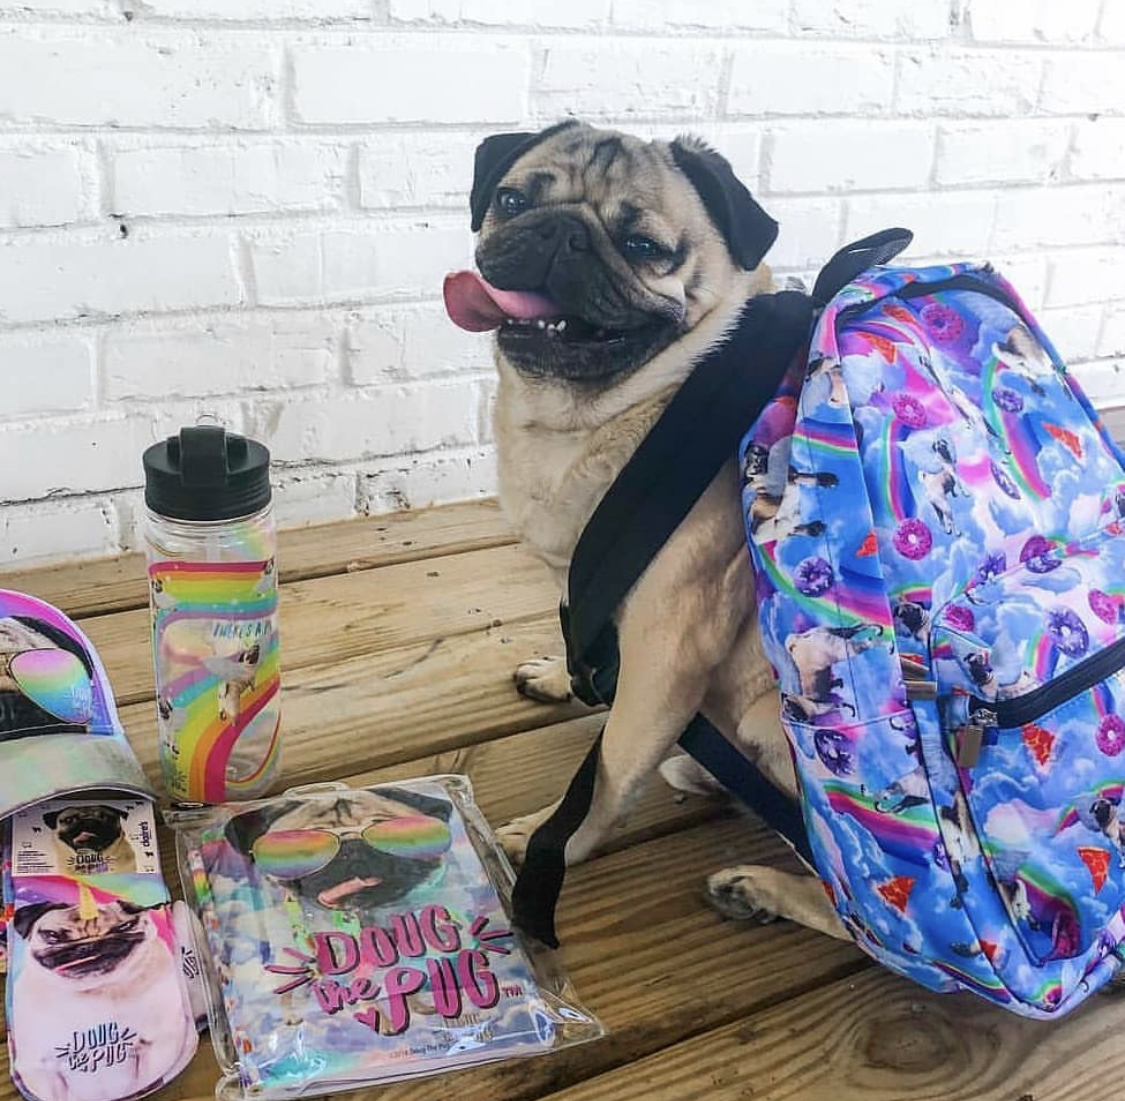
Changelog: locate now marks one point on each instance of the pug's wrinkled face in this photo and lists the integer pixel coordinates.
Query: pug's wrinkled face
(83, 950)
(94, 828)
(598, 250)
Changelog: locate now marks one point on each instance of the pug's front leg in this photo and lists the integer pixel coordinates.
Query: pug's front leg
(654, 703)
(755, 892)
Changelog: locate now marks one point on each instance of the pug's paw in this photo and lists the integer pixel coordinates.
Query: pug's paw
(545, 680)
(739, 893)
(514, 837)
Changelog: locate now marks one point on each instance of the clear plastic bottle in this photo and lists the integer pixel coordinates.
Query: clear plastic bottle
(211, 544)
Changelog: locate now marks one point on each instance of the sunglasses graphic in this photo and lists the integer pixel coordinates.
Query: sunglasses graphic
(295, 854)
(54, 680)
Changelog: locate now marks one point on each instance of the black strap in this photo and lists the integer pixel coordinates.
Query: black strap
(854, 259)
(544, 868)
(744, 779)
(681, 455)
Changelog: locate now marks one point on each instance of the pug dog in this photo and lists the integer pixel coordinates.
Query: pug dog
(359, 872)
(607, 268)
(91, 838)
(92, 1013)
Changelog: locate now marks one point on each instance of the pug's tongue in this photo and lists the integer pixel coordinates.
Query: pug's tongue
(477, 306)
(333, 896)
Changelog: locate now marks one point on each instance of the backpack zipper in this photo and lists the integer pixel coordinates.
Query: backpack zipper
(962, 282)
(1037, 703)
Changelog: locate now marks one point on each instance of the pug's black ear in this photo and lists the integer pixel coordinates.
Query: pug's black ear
(26, 916)
(426, 804)
(51, 819)
(748, 230)
(244, 829)
(494, 156)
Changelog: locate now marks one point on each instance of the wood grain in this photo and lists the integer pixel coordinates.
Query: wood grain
(99, 585)
(647, 956)
(334, 618)
(394, 705)
(876, 1037)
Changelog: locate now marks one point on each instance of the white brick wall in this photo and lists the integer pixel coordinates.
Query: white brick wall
(244, 208)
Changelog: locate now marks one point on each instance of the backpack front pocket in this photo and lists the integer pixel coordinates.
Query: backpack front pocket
(1031, 671)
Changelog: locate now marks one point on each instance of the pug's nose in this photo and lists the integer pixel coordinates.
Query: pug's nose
(569, 233)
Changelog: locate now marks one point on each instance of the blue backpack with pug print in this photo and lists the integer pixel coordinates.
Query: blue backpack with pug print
(936, 518)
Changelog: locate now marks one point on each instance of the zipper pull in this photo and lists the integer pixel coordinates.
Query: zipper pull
(972, 738)
(921, 689)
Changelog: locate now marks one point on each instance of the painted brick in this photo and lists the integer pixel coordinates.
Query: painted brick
(1028, 273)
(1033, 20)
(896, 19)
(1073, 330)
(47, 280)
(52, 374)
(1084, 82)
(1099, 150)
(54, 457)
(720, 15)
(1019, 151)
(576, 13)
(428, 168)
(1112, 339)
(991, 83)
(227, 179)
(43, 186)
(1086, 215)
(363, 84)
(380, 422)
(418, 481)
(411, 342)
(33, 534)
(809, 233)
(809, 157)
(947, 224)
(166, 80)
(1103, 382)
(302, 497)
(374, 261)
(805, 79)
(96, 8)
(623, 78)
(319, 10)
(1092, 275)
(219, 356)
(1111, 29)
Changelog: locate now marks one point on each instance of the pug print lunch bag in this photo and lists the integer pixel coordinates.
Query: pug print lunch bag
(937, 523)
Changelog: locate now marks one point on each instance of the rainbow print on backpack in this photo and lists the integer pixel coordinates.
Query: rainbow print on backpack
(937, 523)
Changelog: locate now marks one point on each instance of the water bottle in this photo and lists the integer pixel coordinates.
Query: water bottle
(211, 545)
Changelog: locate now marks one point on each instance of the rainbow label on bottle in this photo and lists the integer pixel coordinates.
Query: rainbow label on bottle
(215, 641)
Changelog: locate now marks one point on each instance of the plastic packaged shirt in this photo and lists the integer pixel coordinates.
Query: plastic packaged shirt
(361, 936)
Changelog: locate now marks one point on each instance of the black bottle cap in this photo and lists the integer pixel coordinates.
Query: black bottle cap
(207, 473)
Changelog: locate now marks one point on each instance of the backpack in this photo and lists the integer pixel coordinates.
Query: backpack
(936, 519)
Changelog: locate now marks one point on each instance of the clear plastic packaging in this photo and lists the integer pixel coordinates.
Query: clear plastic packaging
(356, 937)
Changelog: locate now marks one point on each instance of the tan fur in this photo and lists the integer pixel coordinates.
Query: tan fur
(687, 635)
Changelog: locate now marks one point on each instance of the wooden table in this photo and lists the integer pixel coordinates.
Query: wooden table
(399, 637)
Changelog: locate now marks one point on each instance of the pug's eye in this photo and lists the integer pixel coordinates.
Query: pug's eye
(638, 247)
(51, 936)
(510, 202)
(127, 926)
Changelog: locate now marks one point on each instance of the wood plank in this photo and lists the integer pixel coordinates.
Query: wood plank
(343, 615)
(376, 709)
(100, 585)
(647, 956)
(1115, 422)
(880, 1038)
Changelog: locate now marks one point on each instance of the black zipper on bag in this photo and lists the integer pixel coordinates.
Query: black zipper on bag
(1040, 701)
(964, 282)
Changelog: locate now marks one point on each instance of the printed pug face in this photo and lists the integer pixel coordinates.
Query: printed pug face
(95, 828)
(354, 853)
(82, 951)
